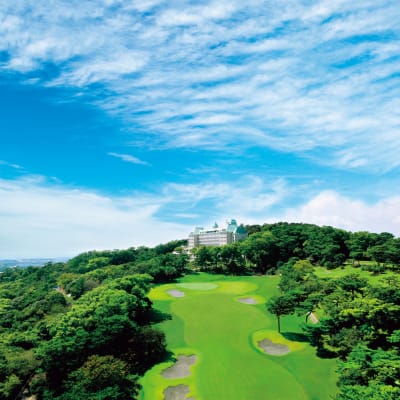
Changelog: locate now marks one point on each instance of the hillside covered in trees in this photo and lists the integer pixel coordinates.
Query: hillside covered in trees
(84, 329)
(271, 245)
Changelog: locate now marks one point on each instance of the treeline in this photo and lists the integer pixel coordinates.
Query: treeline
(270, 246)
(83, 329)
(359, 323)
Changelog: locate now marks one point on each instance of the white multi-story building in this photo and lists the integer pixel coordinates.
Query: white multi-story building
(217, 236)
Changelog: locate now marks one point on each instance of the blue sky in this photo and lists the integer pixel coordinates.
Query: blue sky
(127, 123)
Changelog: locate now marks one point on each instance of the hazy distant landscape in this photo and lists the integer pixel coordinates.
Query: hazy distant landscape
(29, 262)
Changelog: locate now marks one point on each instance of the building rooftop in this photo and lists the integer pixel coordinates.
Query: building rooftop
(216, 235)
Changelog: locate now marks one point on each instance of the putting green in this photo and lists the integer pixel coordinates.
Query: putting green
(198, 286)
(223, 333)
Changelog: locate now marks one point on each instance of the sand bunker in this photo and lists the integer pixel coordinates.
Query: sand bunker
(181, 368)
(176, 293)
(178, 392)
(248, 300)
(272, 348)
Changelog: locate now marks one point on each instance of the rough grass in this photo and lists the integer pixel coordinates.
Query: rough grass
(222, 333)
(322, 272)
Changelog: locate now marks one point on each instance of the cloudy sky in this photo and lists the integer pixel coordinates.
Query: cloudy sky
(127, 123)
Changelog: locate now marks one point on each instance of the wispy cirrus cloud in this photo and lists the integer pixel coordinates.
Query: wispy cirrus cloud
(249, 197)
(10, 165)
(318, 79)
(128, 158)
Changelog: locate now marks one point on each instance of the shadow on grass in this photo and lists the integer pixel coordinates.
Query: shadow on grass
(295, 337)
(157, 316)
(324, 353)
(321, 352)
(192, 272)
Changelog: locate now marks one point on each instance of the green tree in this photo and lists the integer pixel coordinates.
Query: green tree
(352, 283)
(379, 253)
(232, 258)
(371, 373)
(279, 306)
(261, 251)
(103, 319)
(358, 244)
(101, 378)
(327, 246)
(204, 258)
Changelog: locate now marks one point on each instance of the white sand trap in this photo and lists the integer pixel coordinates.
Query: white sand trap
(178, 392)
(274, 349)
(176, 293)
(248, 300)
(181, 368)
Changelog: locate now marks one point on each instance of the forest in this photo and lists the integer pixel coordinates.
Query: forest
(84, 329)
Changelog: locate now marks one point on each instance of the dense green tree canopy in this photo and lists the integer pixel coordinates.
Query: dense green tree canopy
(61, 324)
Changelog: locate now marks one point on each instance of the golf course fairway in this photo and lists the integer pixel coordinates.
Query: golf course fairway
(219, 322)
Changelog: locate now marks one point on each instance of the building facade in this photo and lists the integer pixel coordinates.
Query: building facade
(217, 236)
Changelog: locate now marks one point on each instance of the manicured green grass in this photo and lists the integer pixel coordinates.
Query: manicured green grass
(212, 324)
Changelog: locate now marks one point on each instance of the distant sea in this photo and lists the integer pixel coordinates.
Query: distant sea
(29, 262)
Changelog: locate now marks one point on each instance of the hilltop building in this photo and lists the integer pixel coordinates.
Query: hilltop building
(217, 236)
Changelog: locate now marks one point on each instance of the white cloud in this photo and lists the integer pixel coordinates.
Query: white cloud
(196, 15)
(331, 208)
(248, 196)
(11, 165)
(42, 220)
(129, 158)
(102, 69)
(291, 76)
